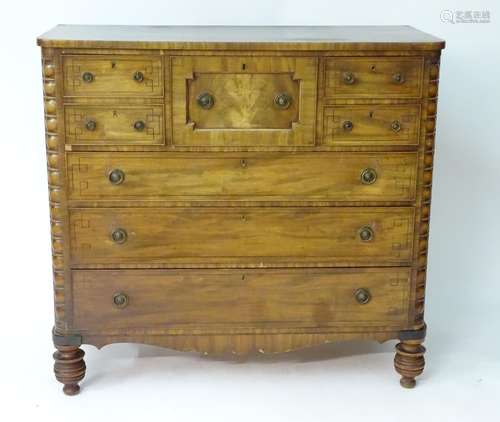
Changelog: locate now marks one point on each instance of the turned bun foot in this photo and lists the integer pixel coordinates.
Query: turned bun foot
(71, 389)
(407, 382)
(69, 368)
(409, 361)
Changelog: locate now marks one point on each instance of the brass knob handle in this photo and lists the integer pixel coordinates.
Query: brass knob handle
(138, 76)
(398, 78)
(243, 163)
(366, 233)
(396, 125)
(205, 100)
(119, 236)
(120, 300)
(139, 125)
(283, 101)
(368, 176)
(362, 296)
(87, 77)
(116, 176)
(91, 125)
(348, 78)
(347, 125)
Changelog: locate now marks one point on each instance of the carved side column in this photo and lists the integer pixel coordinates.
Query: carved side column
(409, 360)
(69, 366)
(55, 159)
(426, 186)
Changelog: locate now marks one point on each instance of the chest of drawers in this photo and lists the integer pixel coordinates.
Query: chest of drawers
(235, 190)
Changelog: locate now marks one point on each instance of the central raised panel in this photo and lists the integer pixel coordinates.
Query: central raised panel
(243, 101)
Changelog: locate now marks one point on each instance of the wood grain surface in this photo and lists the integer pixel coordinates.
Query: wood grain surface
(243, 235)
(244, 89)
(250, 224)
(225, 300)
(243, 176)
(241, 37)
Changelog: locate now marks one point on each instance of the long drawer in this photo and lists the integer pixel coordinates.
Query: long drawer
(341, 236)
(229, 299)
(243, 176)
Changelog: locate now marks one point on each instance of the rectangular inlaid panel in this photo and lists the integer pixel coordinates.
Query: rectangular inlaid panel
(341, 236)
(382, 77)
(243, 176)
(113, 76)
(243, 101)
(114, 124)
(240, 101)
(371, 125)
(239, 298)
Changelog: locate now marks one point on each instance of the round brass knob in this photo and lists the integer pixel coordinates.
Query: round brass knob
(116, 176)
(119, 236)
(139, 125)
(120, 300)
(348, 78)
(396, 125)
(362, 296)
(398, 78)
(87, 77)
(347, 125)
(138, 76)
(366, 233)
(243, 163)
(205, 100)
(91, 125)
(283, 101)
(368, 176)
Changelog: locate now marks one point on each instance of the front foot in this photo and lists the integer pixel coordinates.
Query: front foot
(69, 368)
(409, 361)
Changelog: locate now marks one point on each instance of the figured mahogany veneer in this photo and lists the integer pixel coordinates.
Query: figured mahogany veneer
(280, 235)
(238, 300)
(241, 177)
(230, 189)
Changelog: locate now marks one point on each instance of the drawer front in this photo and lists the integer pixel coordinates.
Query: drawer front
(243, 101)
(230, 299)
(112, 76)
(374, 77)
(243, 176)
(343, 236)
(114, 125)
(371, 125)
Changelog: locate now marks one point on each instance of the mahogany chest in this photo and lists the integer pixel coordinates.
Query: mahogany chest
(239, 189)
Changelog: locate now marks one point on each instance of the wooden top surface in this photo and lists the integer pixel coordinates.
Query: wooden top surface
(241, 37)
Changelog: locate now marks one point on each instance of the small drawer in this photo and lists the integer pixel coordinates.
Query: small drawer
(343, 236)
(371, 125)
(243, 101)
(374, 77)
(231, 299)
(114, 125)
(112, 76)
(339, 176)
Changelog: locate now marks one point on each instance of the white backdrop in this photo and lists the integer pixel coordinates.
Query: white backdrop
(343, 381)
